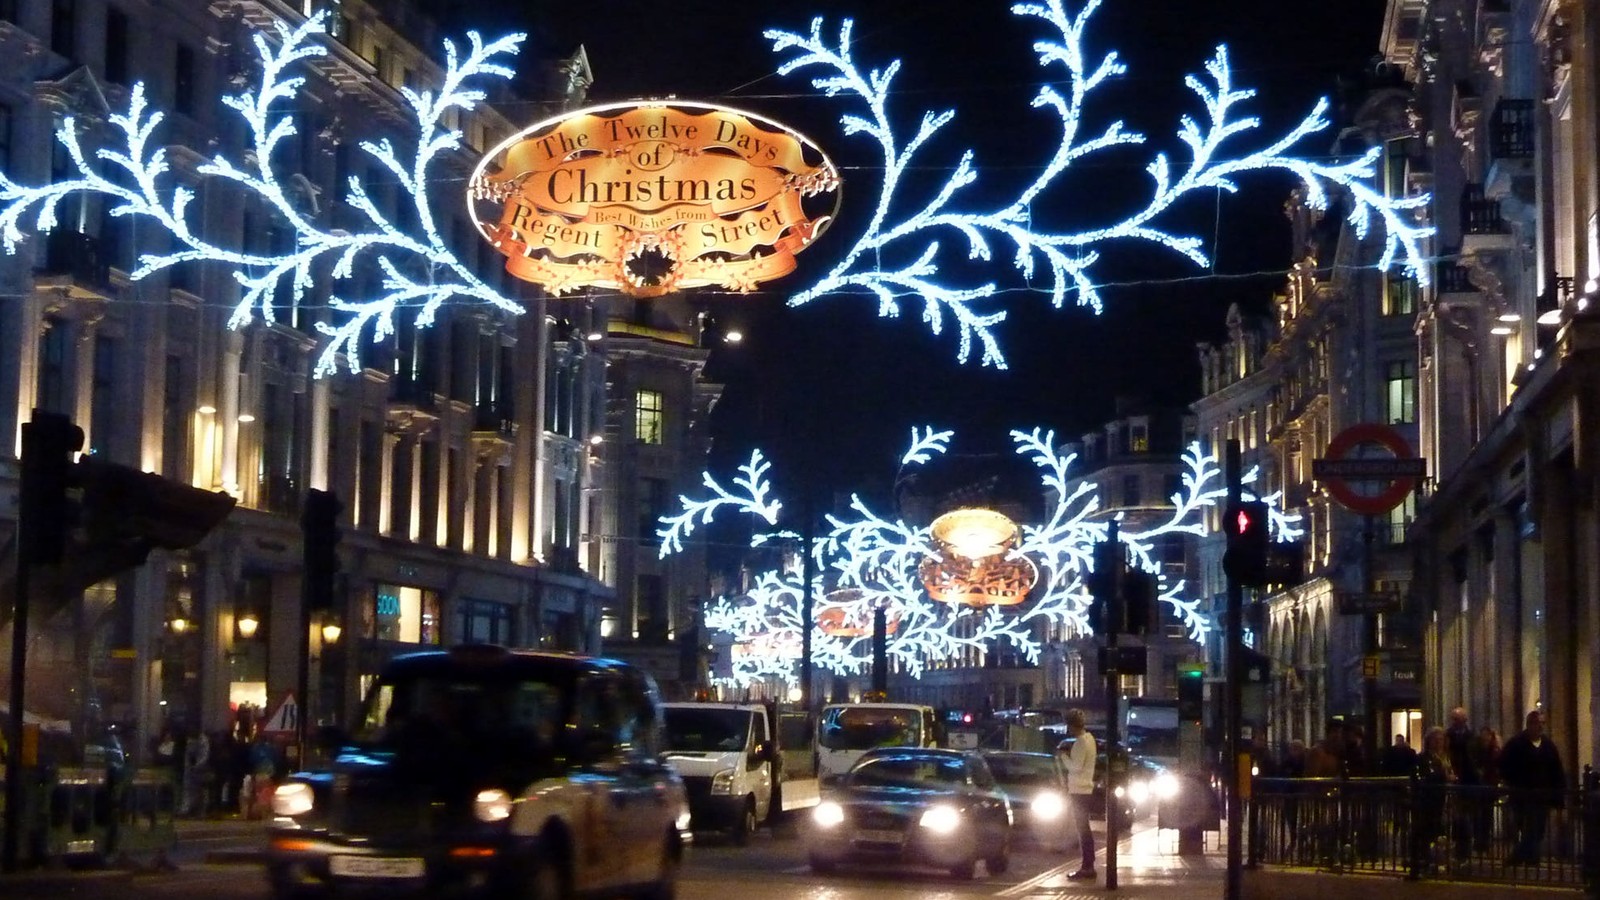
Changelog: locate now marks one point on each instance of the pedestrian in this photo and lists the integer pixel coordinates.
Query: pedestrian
(1293, 766)
(196, 775)
(1434, 776)
(1531, 767)
(1398, 760)
(1080, 755)
(1485, 758)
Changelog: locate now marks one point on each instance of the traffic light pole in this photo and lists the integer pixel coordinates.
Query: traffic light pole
(1233, 715)
(1113, 616)
(19, 671)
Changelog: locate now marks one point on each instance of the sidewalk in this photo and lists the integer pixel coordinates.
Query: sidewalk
(229, 840)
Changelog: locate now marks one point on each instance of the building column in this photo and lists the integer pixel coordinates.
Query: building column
(386, 478)
(228, 392)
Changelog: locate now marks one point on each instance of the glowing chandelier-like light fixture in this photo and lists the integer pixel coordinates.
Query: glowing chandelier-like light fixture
(975, 561)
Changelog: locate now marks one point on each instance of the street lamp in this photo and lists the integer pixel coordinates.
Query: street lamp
(247, 625)
(331, 632)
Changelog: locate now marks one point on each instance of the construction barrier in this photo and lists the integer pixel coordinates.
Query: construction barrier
(77, 815)
(78, 819)
(146, 803)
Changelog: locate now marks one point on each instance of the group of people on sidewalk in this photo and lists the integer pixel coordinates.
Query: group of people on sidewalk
(221, 773)
(1458, 778)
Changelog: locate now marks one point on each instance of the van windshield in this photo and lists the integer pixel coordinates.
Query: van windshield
(866, 727)
(707, 729)
(464, 711)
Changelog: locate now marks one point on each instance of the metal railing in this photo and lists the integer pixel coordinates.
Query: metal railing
(1404, 827)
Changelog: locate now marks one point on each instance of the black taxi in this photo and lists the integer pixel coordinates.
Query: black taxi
(525, 774)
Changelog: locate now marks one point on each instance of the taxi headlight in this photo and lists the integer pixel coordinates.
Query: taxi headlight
(492, 805)
(292, 799)
(827, 814)
(1048, 806)
(1139, 791)
(1165, 786)
(722, 782)
(941, 819)
(1118, 792)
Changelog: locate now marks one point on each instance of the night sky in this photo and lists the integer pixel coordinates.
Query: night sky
(833, 390)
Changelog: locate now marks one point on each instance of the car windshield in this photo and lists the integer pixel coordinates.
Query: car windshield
(514, 715)
(707, 729)
(863, 728)
(1024, 771)
(911, 771)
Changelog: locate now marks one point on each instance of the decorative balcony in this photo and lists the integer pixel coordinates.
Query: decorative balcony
(75, 261)
(1452, 279)
(1512, 130)
(1483, 228)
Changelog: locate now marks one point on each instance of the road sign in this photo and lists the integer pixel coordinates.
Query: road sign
(1337, 469)
(1369, 604)
(285, 718)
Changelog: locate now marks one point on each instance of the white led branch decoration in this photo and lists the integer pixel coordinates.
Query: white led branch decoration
(898, 256)
(866, 562)
(420, 272)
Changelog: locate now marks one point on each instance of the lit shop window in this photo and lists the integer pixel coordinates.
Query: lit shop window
(405, 615)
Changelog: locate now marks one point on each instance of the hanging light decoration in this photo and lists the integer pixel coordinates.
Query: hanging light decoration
(975, 560)
(848, 613)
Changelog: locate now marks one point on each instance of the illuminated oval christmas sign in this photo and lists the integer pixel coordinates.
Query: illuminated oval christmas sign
(652, 198)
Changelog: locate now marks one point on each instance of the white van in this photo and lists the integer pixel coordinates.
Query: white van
(847, 730)
(728, 758)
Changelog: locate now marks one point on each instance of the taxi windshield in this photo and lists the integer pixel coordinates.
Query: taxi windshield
(909, 771)
(863, 728)
(515, 714)
(707, 729)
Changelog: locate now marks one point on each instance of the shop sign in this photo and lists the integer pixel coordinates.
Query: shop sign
(649, 198)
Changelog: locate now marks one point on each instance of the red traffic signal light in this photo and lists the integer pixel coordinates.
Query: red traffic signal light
(1248, 529)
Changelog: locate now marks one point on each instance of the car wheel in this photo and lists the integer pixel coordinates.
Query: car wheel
(822, 866)
(281, 884)
(964, 871)
(545, 877)
(746, 825)
(666, 887)
(1001, 860)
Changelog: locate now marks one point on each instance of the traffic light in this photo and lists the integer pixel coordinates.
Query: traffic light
(319, 526)
(1286, 562)
(1246, 525)
(46, 506)
(1191, 693)
(1104, 582)
(1138, 601)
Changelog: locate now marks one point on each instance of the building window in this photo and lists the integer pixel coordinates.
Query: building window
(52, 392)
(647, 417)
(5, 138)
(483, 622)
(183, 77)
(1131, 494)
(652, 503)
(404, 615)
(1399, 297)
(64, 28)
(116, 46)
(1400, 519)
(103, 405)
(1400, 398)
(1138, 438)
(651, 602)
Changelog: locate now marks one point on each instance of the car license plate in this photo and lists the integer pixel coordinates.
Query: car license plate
(376, 867)
(877, 836)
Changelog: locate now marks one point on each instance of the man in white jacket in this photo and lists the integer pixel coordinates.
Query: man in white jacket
(1080, 757)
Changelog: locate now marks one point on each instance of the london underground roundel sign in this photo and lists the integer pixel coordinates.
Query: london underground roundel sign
(648, 198)
(1396, 475)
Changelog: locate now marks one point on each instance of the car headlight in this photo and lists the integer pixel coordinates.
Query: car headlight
(941, 819)
(1165, 786)
(722, 782)
(1139, 791)
(827, 814)
(492, 805)
(685, 818)
(1048, 806)
(1118, 792)
(292, 799)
